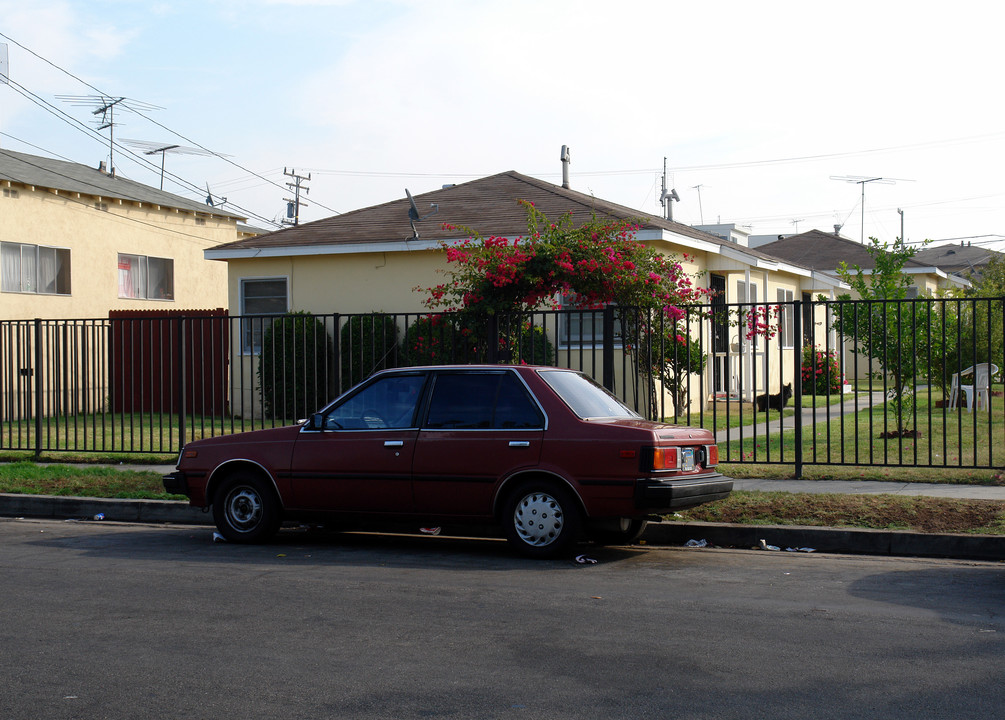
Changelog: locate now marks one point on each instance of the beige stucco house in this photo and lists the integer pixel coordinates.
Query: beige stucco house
(78, 242)
(378, 260)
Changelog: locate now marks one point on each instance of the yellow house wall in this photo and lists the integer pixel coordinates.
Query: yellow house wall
(95, 237)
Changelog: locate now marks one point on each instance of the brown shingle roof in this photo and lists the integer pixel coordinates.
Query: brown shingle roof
(823, 251)
(488, 205)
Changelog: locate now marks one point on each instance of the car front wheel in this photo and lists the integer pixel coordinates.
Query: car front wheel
(542, 519)
(246, 510)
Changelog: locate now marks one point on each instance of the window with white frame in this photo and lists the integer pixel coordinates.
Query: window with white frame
(34, 269)
(146, 278)
(260, 298)
(786, 318)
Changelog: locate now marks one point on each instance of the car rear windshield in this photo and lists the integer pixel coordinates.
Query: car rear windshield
(584, 396)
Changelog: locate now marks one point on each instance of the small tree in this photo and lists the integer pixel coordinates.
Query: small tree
(889, 331)
(666, 353)
(293, 369)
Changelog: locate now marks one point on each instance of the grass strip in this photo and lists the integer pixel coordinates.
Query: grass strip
(878, 512)
(28, 478)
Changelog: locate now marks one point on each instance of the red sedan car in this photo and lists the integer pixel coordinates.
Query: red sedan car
(546, 455)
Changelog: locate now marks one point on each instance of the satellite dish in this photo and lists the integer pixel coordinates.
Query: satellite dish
(213, 202)
(413, 213)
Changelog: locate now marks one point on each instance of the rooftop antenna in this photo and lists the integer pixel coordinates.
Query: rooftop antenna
(413, 213)
(701, 214)
(863, 180)
(152, 148)
(795, 222)
(105, 107)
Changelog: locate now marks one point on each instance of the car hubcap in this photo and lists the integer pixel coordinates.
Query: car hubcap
(538, 519)
(244, 509)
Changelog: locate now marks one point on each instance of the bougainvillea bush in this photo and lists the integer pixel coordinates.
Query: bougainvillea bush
(821, 374)
(597, 264)
(590, 266)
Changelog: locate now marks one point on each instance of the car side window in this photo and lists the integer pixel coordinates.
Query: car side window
(388, 403)
(481, 401)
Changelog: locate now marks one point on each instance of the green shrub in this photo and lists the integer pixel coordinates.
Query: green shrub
(368, 343)
(294, 369)
(461, 338)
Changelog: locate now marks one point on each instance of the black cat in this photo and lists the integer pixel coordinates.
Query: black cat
(775, 402)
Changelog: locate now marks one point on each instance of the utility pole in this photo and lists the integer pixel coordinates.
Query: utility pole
(902, 238)
(293, 204)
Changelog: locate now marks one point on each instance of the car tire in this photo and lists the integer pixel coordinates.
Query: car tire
(630, 530)
(542, 519)
(246, 510)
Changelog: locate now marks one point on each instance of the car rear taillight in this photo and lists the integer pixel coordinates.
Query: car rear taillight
(711, 455)
(665, 458)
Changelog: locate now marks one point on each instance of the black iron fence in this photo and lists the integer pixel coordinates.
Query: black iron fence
(900, 383)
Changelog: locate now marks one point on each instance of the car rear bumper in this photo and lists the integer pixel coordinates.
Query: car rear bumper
(176, 484)
(681, 493)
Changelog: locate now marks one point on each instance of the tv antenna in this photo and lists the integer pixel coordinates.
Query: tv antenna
(864, 180)
(105, 107)
(152, 148)
(701, 214)
(413, 214)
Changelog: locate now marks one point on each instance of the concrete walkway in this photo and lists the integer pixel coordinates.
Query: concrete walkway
(809, 416)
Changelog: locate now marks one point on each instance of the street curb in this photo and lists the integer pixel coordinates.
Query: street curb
(832, 540)
(66, 508)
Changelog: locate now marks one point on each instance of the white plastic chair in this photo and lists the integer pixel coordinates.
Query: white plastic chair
(977, 393)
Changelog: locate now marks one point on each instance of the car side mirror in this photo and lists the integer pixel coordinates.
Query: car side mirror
(316, 422)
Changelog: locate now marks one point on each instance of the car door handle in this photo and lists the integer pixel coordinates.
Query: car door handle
(519, 443)
(394, 443)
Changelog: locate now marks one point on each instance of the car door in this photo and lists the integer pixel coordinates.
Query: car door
(359, 459)
(480, 427)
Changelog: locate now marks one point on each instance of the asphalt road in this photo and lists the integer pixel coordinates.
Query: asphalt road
(114, 620)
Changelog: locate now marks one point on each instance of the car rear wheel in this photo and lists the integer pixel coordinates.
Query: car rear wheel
(542, 519)
(246, 510)
(623, 531)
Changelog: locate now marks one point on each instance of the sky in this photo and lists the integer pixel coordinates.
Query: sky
(765, 114)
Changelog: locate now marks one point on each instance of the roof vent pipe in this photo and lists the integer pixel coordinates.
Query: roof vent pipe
(565, 166)
(837, 229)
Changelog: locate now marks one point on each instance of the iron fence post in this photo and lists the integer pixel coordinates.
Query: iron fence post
(608, 348)
(182, 409)
(38, 387)
(797, 380)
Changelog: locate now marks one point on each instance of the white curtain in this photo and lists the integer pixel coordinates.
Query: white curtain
(10, 260)
(47, 270)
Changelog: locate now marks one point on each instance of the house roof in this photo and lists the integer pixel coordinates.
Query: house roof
(825, 251)
(960, 259)
(37, 171)
(488, 205)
